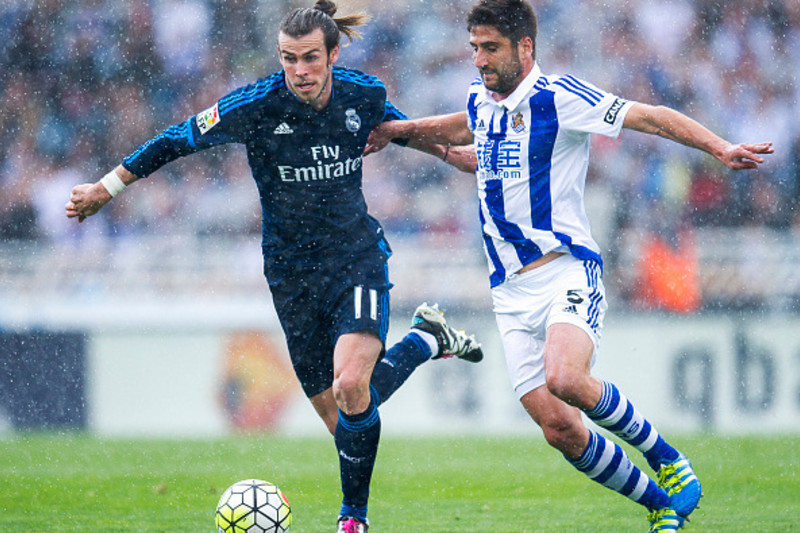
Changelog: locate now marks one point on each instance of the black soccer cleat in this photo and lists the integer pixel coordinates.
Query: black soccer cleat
(451, 342)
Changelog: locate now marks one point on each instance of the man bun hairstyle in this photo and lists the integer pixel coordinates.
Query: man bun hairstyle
(514, 19)
(304, 20)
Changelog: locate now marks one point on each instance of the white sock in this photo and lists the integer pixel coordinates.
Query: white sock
(429, 338)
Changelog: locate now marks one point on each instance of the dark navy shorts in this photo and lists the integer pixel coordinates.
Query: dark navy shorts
(318, 305)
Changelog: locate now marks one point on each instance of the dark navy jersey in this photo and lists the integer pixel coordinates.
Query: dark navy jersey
(306, 163)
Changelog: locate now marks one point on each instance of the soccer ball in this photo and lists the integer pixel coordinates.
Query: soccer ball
(253, 506)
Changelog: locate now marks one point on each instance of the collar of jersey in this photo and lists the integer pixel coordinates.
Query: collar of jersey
(522, 91)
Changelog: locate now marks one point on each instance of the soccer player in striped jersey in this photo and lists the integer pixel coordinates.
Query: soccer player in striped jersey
(531, 136)
(325, 258)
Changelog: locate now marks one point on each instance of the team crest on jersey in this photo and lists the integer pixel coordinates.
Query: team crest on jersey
(518, 123)
(208, 119)
(352, 121)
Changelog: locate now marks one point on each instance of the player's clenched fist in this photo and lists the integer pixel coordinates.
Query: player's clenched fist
(86, 200)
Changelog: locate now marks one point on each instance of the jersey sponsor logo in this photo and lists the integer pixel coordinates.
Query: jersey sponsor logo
(481, 125)
(208, 119)
(283, 129)
(328, 166)
(352, 121)
(498, 160)
(613, 111)
(518, 123)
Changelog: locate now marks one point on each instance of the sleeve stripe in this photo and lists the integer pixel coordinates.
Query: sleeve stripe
(182, 131)
(577, 83)
(131, 158)
(391, 111)
(592, 101)
(190, 134)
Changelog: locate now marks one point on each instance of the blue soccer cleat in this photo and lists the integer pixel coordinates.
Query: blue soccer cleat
(681, 484)
(664, 520)
(451, 342)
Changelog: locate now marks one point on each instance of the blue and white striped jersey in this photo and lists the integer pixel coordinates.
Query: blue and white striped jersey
(533, 154)
(306, 163)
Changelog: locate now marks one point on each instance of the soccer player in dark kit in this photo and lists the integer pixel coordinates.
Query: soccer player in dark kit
(325, 258)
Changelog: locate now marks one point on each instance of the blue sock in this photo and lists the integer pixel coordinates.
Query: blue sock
(617, 414)
(357, 512)
(356, 439)
(606, 463)
(397, 365)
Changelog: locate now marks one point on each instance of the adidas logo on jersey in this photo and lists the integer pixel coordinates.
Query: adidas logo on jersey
(283, 129)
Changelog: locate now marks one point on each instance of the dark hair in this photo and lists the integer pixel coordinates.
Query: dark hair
(302, 21)
(514, 19)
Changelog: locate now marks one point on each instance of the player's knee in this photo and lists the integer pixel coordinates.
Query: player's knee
(564, 385)
(352, 396)
(561, 434)
(344, 388)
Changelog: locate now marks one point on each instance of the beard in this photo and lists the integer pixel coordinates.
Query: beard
(506, 80)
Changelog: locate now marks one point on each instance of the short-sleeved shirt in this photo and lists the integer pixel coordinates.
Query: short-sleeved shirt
(533, 155)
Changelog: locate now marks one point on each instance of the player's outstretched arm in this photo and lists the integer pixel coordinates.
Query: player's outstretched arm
(88, 198)
(461, 157)
(674, 125)
(451, 129)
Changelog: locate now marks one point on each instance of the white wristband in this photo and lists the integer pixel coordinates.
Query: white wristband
(113, 184)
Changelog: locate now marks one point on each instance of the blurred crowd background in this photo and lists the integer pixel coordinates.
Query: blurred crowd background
(85, 82)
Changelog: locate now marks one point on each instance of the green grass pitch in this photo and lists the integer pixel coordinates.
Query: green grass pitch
(447, 485)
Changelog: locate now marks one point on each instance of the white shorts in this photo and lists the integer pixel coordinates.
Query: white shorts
(565, 290)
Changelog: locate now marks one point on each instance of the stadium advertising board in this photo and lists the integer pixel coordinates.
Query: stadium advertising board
(694, 374)
(722, 374)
